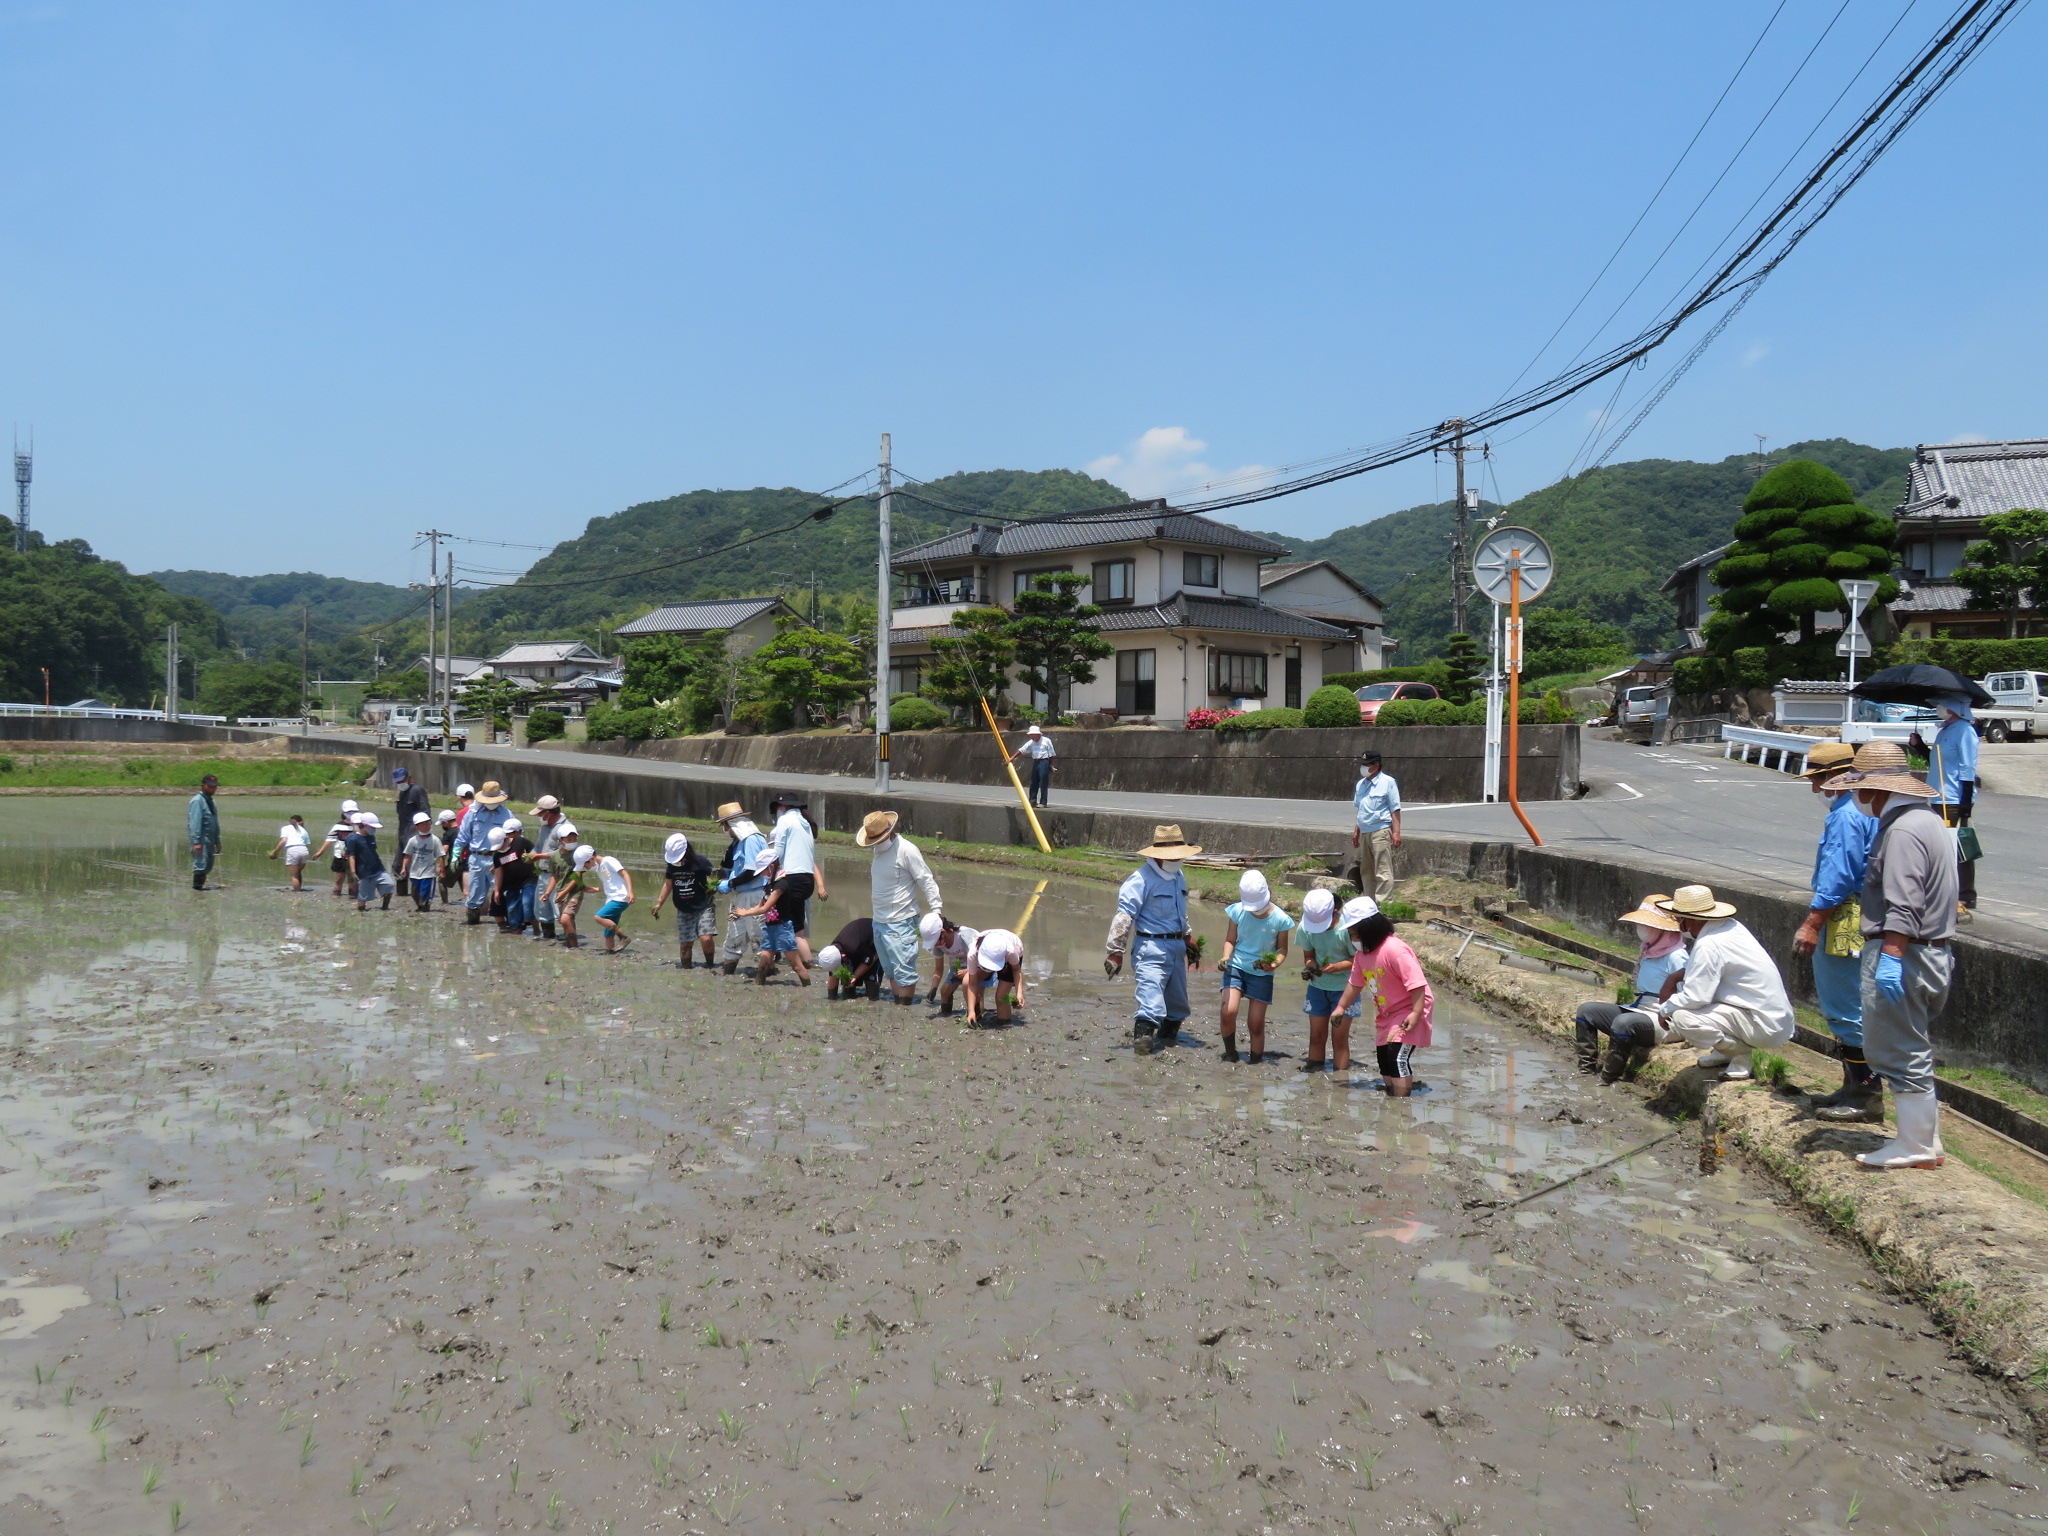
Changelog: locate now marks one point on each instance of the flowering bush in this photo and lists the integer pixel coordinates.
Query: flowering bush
(1209, 719)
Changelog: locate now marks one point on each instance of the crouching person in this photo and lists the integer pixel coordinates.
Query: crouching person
(1632, 1026)
(1732, 1000)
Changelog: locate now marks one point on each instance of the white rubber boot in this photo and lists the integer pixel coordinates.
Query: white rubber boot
(1918, 1144)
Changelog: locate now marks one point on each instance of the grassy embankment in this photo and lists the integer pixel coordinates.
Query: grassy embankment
(38, 771)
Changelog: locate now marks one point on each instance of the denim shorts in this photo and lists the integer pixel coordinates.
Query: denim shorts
(1256, 985)
(1322, 1002)
(779, 938)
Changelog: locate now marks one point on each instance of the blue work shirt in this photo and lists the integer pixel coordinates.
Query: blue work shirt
(1376, 800)
(202, 821)
(745, 854)
(475, 834)
(1845, 839)
(1651, 970)
(1952, 760)
(1158, 903)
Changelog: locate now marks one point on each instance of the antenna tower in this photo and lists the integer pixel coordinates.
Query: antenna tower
(24, 471)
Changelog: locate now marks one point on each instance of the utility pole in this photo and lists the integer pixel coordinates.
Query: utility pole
(883, 607)
(305, 642)
(433, 536)
(1467, 504)
(448, 651)
(171, 674)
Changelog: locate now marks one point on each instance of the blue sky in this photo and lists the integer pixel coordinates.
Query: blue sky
(285, 283)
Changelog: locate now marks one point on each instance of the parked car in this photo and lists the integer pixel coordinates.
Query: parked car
(1638, 705)
(2019, 708)
(1870, 712)
(417, 726)
(1373, 695)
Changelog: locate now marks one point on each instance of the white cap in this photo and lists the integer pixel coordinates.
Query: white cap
(420, 816)
(1253, 891)
(1034, 731)
(446, 816)
(676, 849)
(547, 803)
(465, 790)
(565, 830)
(829, 957)
(1356, 911)
(997, 950)
(349, 807)
(369, 819)
(583, 855)
(495, 838)
(928, 929)
(1318, 911)
(512, 824)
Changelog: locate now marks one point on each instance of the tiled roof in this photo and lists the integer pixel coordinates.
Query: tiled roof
(1711, 557)
(1823, 688)
(694, 618)
(1127, 524)
(1938, 597)
(541, 650)
(1231, 616)
(1970, 481)
(1281, 570)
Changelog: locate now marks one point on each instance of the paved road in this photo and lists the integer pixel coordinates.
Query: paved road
(1687, 805)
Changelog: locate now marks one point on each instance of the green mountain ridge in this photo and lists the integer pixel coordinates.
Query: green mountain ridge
(1617, 533)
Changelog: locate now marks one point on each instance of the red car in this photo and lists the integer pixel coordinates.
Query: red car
(1371, 697)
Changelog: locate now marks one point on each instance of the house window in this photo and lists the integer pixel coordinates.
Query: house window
(1025, 578)
(1199, 571)
(1137, 693)
(1114, 581)
(906, 674)
(1237, 674)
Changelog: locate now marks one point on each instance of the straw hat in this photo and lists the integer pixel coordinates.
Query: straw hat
(1167, 843)
(1829, 757)
(874, 826)
(1696, 902)
(1885, 770)
(491, 794)
(1649, 917)
(730, 810)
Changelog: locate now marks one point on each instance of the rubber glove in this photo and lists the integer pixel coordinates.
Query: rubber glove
(1891, 977)
(725, 887)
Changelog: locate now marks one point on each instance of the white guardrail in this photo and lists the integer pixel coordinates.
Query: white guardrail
(71, 712)
(1791, 748)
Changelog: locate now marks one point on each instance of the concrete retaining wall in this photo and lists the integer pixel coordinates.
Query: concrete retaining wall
(1440, 765)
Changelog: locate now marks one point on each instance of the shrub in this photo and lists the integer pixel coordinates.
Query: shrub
(1274, 719)
(1209, 719)
(1696, 674)
(610, 723)
(546, 725)
(1973, 658)
(908, 712)
(1436, 672)
(1555, 710)
(1329, 707)
(1401, 712)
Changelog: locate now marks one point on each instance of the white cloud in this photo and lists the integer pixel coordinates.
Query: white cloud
(1755, 353)
(1165, 460)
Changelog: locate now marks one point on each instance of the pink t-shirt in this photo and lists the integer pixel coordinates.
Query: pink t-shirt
(1396, 975)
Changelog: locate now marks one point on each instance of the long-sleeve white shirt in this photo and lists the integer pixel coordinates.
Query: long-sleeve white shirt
(796, 850)
(1727, 965)
(900, 875)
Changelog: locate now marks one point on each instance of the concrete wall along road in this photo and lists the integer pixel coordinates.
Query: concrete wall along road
(1438, 765)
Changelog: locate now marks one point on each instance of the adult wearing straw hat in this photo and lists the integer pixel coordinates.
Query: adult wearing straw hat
(1909, 919)
(1732, 1000)
(1633, 1026)
(1832, 934)
(1151, 925)
(741, 877)
(487, 814)
(898, 880)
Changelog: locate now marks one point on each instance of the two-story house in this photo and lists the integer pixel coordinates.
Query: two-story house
(1950, 489)
(1183, 605)
(547, 663)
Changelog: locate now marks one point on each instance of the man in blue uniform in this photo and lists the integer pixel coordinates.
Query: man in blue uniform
(1952, 770)
(1832, 935)
(1151, 925)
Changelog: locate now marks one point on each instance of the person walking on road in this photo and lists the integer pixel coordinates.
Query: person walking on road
(486, 815)
(202, 830)
(1909, 918)
(1151, 925)
(899, 881)
(1377, 799)
(1037, 746)
(1732, 1000)
(1952, 764)
(1832, 934)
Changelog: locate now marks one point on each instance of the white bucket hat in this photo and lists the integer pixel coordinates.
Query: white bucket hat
(928, 929)
(1318, 911)
(675, 850)
(1253, 891)
(829, 957)
(583, 855)
(1356, 911)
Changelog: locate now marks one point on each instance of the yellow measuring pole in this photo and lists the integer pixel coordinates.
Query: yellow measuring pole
(1015, 783)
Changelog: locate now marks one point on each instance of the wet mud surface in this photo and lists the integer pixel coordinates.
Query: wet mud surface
(313, 1221)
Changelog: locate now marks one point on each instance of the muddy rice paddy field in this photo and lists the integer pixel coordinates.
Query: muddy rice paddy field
(317, 1222)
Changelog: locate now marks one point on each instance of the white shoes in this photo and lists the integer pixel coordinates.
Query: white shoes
(1737, 1070)
(1918, 1144)
(1711, 1059)
(1733, 1064)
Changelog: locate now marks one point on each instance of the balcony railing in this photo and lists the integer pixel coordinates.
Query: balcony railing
(926, 594)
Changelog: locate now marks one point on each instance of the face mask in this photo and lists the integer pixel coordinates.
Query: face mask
(1864, 806)
(1168, 866)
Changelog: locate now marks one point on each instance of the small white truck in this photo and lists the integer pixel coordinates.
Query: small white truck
(422, 727)
(2019, 707)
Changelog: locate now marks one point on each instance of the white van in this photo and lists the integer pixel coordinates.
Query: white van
(2019, 705)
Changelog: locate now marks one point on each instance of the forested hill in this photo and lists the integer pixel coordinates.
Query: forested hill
(839, 554)
(262, 613)
(1617, 532)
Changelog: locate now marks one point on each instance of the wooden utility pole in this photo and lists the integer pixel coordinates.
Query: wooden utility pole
(883, 606)
(305, 637)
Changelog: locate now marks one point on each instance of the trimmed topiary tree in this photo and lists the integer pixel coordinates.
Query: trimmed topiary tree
(1330, 707)
(908, 712)
(1802, 531)
(1466, 668)
(1268, 719)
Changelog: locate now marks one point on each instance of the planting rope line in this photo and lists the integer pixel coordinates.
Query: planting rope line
(1548, 1189)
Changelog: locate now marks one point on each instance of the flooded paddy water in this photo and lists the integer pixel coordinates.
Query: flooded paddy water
(314, 1221)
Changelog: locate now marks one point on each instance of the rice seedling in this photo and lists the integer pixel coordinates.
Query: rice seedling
(982, 1463)
(151, 1476)
(731, 1425)
(306, 1448)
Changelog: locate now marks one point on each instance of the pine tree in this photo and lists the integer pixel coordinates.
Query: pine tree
(1057, 636)
(1801, 532)
(973, 667)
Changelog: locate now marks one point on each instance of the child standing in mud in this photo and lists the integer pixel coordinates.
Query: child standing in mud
(296, 844)
(687, 879)
(1253, 948)
(1391, 969)
(1326, 962)
(420, 858)
(615, 881)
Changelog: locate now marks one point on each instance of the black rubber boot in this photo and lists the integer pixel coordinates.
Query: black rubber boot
(874, 989)
(199, 880)
(1860, 1103)
(1589, 1048)
(547, 930)
(1855, 1074)
(728, 968)
(1144, 1037)
(1169, 1035)
(475, 916)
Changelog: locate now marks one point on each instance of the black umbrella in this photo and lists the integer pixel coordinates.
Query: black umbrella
(1918, 684)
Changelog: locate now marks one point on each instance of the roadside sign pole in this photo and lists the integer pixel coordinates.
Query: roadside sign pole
(1491, 787)
(1515, 695)
(1512, 564)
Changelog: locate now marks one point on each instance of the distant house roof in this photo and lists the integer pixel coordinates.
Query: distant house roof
(1679, 577)
(696, 618)
(1229, 615)
(1283, 570)
(458, 666)
(1934, 596)
(530, 652)
(1967, 482)
(1065, 531)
